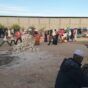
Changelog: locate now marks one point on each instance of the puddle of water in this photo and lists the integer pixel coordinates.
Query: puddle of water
(5, 59)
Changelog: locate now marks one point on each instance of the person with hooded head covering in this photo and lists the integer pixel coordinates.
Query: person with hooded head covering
(70, 74)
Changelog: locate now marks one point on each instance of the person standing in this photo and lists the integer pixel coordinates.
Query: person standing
(75, 34)
(70, 74)
(37, 38)
(55, 37)
(45, 37)
(72, 35)
(50, 37)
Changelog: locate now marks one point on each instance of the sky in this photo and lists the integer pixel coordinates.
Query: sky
(44, 8)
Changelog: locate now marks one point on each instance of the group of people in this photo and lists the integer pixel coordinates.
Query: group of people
(54, 36)
(51, 36)
(71, 73)
(11, 38)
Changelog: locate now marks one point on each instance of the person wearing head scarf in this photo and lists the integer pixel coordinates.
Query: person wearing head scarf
(70, 74)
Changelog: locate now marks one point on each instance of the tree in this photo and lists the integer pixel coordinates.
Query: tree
(1, 26)
(32, 27)
(16, 27)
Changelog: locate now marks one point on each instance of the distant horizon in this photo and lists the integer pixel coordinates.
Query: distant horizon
(44, 16)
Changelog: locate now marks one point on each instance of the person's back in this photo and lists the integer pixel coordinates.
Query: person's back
(67, 75)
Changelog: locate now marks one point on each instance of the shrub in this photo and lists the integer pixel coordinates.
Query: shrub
(1, 26)
(16, 27)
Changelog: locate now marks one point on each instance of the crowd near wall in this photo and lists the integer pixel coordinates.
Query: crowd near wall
(45, 22)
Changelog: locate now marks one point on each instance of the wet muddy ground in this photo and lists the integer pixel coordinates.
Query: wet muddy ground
(36, 69)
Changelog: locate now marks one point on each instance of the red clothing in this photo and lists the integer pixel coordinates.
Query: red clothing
(18, 34)
(37, 39)
(61, 32)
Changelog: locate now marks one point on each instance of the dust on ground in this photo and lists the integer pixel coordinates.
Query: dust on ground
(37, 69)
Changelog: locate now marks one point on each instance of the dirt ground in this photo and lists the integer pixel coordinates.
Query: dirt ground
(38, 68)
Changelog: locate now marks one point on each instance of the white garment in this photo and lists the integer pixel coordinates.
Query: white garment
(69, 33)
(5, 39)
(29, 29)
(54, 33)
(9, 33)
(12, 30)
(79, 52)
(75, 36)
(65, 35)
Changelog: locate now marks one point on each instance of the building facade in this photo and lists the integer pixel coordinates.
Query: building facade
(44, 22)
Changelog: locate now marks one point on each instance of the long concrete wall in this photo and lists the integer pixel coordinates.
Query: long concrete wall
(45, 22)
